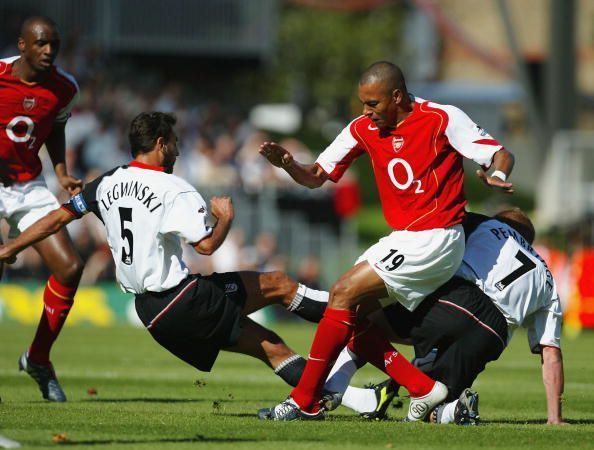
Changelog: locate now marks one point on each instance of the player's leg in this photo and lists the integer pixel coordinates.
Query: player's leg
(265, 345)
(244, 293)
(267, 288)
(460, 363)
(371, 402)
(264, 289)
(404, 266)
(334, 331)
(206, 314)
(459, 366)
(65, 265)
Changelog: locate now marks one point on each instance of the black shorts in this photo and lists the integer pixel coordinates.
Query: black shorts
(197, 318)
(462, 323)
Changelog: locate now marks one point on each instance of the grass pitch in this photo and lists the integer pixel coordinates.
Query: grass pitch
(126, 392)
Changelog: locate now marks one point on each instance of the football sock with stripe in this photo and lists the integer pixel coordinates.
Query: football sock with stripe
(57, 302)
(291, 369)
(446, 412)
(333, 333)
(362, 400)
(371, 344)
(358, 399)
(308, 303)
(343, 370)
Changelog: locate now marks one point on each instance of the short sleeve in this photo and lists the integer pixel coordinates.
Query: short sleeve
(66, 111)
(470, 139)
(340, 154)
(186, 217)
(544, 329)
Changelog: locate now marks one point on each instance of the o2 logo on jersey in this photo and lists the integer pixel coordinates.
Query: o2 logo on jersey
(15, 122)
(21, 122)
(410, 178)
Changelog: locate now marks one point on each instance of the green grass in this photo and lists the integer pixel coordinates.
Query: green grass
(148, 399)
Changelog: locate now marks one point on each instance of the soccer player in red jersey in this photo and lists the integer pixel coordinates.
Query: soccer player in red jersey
(36, 99)
(416, 149)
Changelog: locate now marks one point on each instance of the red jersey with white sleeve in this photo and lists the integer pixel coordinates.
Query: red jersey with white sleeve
(418, 165)
(27, 117)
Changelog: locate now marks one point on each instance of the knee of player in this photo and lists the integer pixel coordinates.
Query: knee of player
(70, 272)
(342, 295)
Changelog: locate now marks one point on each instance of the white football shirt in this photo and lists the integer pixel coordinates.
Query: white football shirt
(146, 213)
(510, 272)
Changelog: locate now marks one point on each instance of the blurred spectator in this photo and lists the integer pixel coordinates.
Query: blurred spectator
(308, 272)
(219, 154)
(261, 255)
(347, 196)
(101, 149)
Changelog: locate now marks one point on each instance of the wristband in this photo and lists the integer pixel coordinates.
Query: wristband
(499, 174)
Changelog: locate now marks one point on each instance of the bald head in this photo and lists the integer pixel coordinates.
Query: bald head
(519, 221)
(31, 23)
(386, 73)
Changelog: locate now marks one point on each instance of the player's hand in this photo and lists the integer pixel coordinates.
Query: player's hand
(70, 184)
(495, 182)
(6, 256)
(276, 154)
(222, 208)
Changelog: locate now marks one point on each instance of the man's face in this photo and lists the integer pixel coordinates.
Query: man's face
(379, 104)
(170, 152)
(39, 46)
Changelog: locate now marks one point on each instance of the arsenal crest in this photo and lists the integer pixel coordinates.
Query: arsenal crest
(29, 103)
(397, 142)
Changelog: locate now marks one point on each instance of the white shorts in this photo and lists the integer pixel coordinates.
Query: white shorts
(22, 204)
(413, 264)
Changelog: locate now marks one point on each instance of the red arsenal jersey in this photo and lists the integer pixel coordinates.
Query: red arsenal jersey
(418, 165)
(27, 116)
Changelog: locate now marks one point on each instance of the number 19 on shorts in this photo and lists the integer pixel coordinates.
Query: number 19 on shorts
(393, 260)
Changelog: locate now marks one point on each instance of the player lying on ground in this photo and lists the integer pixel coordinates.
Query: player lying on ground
(146, 212)
(417, 149)
(501, 285)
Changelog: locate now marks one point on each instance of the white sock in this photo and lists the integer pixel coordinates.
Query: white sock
(447, 415)
(343, 370)
(361, 400)
(304, 292)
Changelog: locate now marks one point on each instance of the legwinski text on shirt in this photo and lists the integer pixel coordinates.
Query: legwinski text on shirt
(134, 189)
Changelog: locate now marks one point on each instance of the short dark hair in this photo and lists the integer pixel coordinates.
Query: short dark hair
(34, 20)
(519, 221)
(385, 72)
(146, 128)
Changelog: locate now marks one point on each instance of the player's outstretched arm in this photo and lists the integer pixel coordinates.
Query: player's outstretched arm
(44, 227)
(221, 209)
(56, 148)
(308, 175)
(553, 379)
(503, 163)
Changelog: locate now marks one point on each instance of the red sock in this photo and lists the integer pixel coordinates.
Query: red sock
(373, 346)
(57, 301)
(333, 333)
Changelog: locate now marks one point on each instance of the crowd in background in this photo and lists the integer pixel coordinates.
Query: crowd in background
(218, 151)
